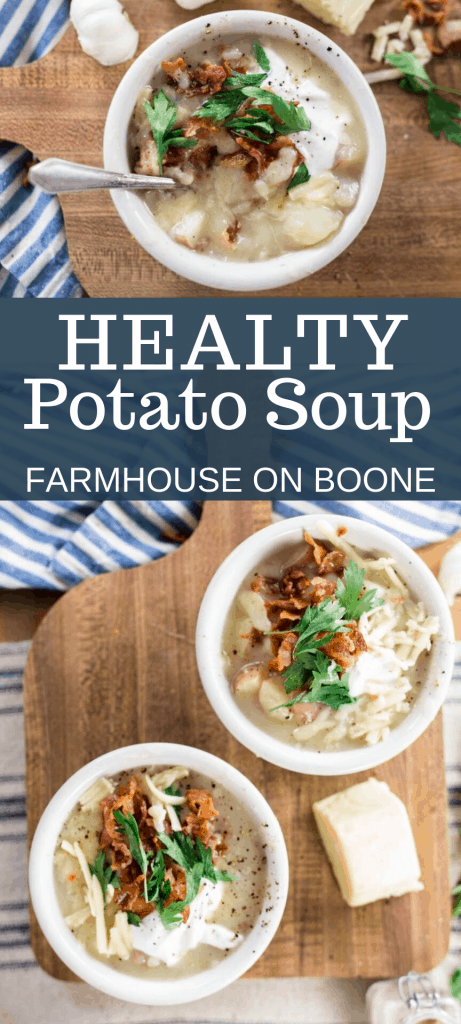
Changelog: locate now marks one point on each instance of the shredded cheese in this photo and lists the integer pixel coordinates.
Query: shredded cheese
(78, 917)
(96, 793)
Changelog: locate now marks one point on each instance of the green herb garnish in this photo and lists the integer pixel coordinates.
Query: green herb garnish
(326, 685)
(197, 864)
(457, 905)
(195, 860)
(133, 918)
(261, 57)
(444, 116)
(311, 668)
(455, 984)
(128, 827)
(173, 791)
(161, 114)
(239, 88)
(104, 873)
(300, 176)
(348, 593)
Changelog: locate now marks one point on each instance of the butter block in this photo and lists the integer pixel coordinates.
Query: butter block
(345, 14)
(367, 836)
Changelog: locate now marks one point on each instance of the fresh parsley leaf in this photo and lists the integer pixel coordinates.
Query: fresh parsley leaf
(324, 617)
(240, 81)
(457, 904)
(133, 918)
(180, 848)
(222, 105)
(128, 827)
(171, 916)
(292, 118)
(348, 591)
(155, 884)
(261, 57)
(444, 115)
(104, 873)
(209, 870)
(300, 176)
(326, 686)
(295, 677)
(455, 984)
(173, 791)
(441, 114)
(410, 67)
(161, 114)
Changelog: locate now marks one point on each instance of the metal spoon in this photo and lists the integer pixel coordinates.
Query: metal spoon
(55, 176)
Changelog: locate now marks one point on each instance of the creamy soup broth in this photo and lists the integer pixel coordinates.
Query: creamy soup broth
(245, 860)
(245, 213)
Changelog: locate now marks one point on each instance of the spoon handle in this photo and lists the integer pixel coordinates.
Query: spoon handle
(55, 176)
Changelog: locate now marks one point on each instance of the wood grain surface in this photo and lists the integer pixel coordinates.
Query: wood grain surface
(410, 247)
(113, 663)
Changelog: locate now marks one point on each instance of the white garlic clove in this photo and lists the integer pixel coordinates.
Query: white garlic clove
(104, 30)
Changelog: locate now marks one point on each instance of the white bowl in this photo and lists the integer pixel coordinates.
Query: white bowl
(218, 601)
(206, 270)
(107, 979)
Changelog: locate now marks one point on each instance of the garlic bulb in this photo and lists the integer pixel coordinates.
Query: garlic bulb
(450, 573)
(104, 30)
(191, 5)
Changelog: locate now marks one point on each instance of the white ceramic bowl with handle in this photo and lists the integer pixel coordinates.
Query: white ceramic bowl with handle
(435, 672)
(237, 275)
(149, 991)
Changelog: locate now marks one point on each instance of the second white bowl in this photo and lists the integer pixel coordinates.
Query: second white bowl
(218, 601)
(149, 991)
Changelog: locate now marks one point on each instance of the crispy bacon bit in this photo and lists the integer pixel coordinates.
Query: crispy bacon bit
(415, 8)
(284, 656)
(202, 157)
(208, 78)
(197, 823)
(321, 590)
(332, 562)
(341, 531)
(318, 550)
(345, 648)
(236, 160)
(200, 127)
(294, 582)
(177, 74)
(130, 800)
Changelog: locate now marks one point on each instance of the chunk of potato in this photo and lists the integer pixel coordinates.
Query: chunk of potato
(271, 695)
(249, 679)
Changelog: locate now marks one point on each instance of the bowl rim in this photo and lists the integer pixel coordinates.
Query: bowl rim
(218, 600)
(106, 978)
(242, 275)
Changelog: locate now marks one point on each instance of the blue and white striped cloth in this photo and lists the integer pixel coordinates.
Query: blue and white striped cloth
(34, 261)
(55, 544)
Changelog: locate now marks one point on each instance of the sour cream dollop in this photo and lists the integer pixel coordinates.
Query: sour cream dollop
(319, 145)
(168, 947)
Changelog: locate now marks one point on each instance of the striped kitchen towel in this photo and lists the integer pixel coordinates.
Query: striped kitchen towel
(55, 544)
(34, 261)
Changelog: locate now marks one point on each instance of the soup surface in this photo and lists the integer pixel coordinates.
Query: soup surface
(265, 136)
(196, 900)
(324, 646)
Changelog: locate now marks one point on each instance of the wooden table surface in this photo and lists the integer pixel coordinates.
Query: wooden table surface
(410, 247)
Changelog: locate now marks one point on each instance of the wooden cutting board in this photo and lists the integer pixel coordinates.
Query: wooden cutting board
(113, 663)
(410, 247)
